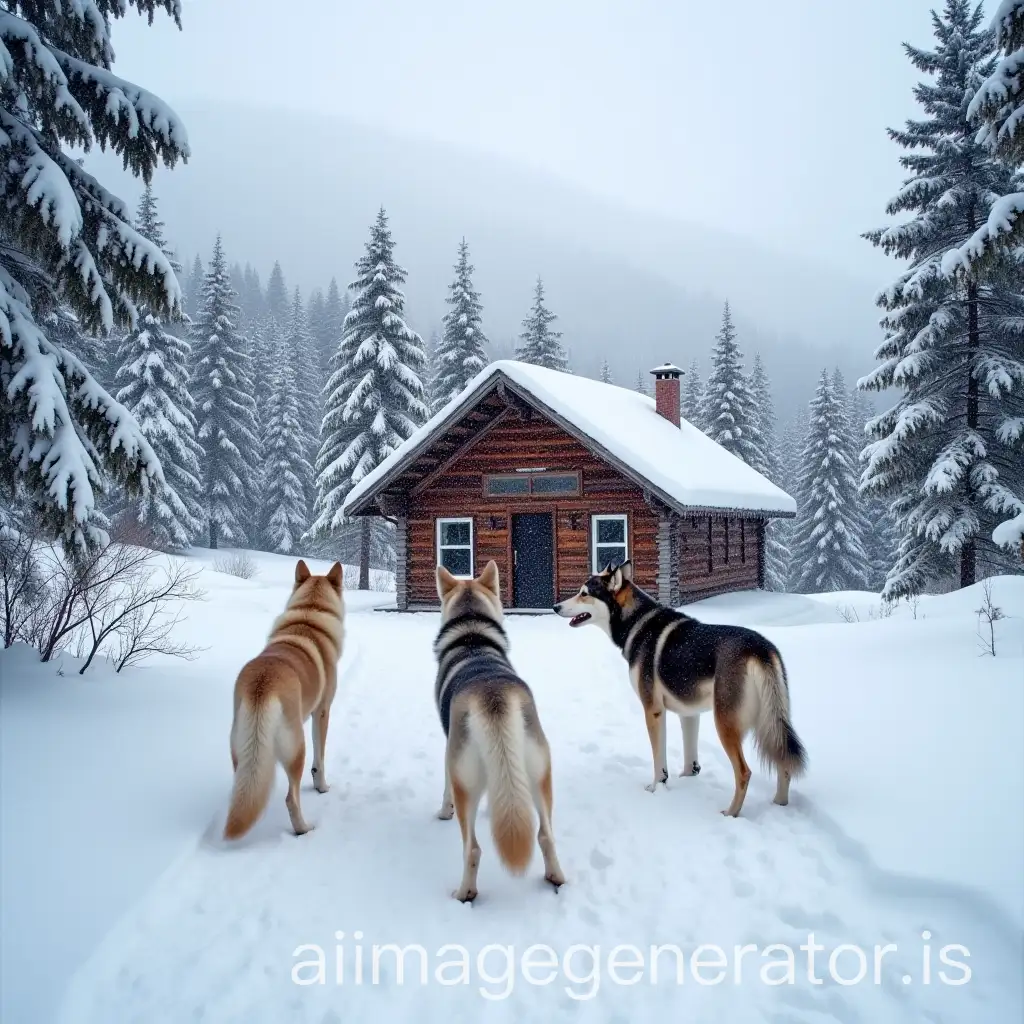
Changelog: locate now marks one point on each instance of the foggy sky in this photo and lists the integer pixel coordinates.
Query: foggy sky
(764, 119)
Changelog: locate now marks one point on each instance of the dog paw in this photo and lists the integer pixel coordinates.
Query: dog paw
(781, 803)
(304, 829)
(690, 770)
(729, 813)
(321, 787)
(465, 895)
(651, 787)
(447, 812)
(556, 878)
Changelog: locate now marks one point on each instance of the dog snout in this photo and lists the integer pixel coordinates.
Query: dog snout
(557, 609)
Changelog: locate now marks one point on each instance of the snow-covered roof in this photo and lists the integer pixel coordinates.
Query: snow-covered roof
(680, 464)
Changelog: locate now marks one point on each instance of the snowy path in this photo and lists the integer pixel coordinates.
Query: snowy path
(214, 940)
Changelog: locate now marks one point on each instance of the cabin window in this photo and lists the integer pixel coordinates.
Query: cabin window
(610, 541)
(499, 486)
(455, 546)
(538, 484)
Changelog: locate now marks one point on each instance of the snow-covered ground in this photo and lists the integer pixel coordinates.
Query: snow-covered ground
(119, 902)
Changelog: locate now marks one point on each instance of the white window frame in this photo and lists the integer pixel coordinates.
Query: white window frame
(456, 547)
(594, 520)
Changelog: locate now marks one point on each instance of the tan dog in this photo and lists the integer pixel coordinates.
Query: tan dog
(294, 677)
(495, 743)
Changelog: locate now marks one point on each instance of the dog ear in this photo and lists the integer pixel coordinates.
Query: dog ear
(446, 582)
(627, 570)
(302, 572)
(617, 580)
(336, 576)
(489, 578)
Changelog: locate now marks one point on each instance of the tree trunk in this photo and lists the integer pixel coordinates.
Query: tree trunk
(969, 554)
(213, 535)
(364, 552)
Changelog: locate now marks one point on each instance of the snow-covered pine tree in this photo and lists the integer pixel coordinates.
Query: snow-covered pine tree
(316, 311)
(226, 411)
(777, 532)
(606, 372)
(277, 300)
(194, 297)
(692, 397)
(286, 471)
(66, 241)
(998, 107)
(827, 549)
(641, 384)
(264, 335)
(306, 367)
(541, 345)
(375, 397)
(460, 355)
(946, 457)
(332, 326)
(250, 298)
(727, 406)
(153, 381)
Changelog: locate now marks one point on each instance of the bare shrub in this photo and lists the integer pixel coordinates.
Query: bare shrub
(132, 605)
(21, 581)
(237, 564)
(990, 613)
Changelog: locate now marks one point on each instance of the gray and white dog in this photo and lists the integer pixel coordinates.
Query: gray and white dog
(679, 664)
(495, 741)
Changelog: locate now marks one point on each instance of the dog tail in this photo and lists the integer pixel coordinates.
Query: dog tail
(777, 741)
(252, 740)
(502, 742)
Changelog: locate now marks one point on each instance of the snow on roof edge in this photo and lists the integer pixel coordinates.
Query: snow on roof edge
(713, 478)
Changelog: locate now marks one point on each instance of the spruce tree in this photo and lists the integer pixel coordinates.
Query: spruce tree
(606, 373)
(641, 384)
(277, 301)
(828, 552)
(306, 367)
(947, 457)
(727, 407)
(65, 242)
(195, 288)
(153, 380)
(375, 396)
(286, 471)
(226, 411)
(776, 535)
(540, 344)
(316, 312)
(460, 355)
(692, 397)
(332, 326)
(998, 107)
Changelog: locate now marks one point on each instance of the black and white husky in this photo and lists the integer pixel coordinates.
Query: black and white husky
(495, 742)
(679, 664)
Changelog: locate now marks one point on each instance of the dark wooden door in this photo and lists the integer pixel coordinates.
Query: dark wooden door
(533, 560)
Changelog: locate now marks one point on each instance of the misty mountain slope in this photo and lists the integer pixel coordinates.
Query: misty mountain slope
(624, 284)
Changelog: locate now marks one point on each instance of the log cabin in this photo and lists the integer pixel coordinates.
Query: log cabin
(555, 476)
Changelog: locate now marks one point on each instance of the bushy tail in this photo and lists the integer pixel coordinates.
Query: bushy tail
(502, 740)
(252, 740)
(777, 741)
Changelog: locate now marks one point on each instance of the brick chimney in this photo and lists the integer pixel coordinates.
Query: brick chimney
(666, 391)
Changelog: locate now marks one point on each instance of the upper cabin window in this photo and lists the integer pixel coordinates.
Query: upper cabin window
(455, 546)
(538, 485)
(610, 541)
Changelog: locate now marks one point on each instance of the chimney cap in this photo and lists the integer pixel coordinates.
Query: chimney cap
(667, 370)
